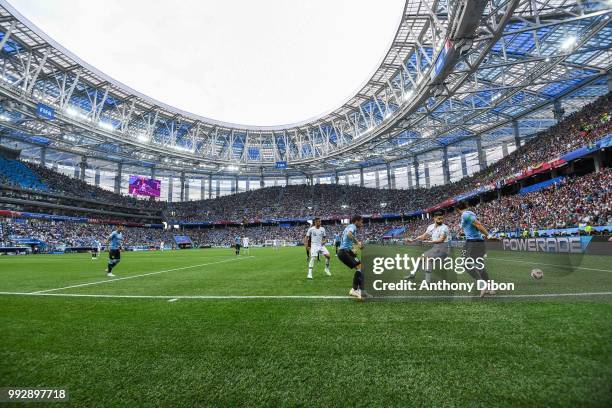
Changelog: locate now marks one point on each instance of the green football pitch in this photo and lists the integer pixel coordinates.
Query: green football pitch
(207, 328)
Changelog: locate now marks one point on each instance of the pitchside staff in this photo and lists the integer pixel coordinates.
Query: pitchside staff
(237, 242)
(348, 257)
(439, 235)
(114, 249)
(474, 247)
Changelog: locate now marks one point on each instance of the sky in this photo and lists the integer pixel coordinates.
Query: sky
(264, 62)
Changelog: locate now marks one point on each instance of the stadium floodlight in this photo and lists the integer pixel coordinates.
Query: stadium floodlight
(383, 205)
(569, 43)
(5, 118)
(142, 137)
(106, 126)
(231, 168)
(547, 59)
(407, 95)
(70, 111)
(344, 206)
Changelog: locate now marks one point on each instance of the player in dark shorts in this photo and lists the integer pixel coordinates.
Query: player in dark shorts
(237, 245)
(349, 258)
(337, 243)
(114, 249)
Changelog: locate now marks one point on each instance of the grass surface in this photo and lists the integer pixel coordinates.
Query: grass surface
(288, 352)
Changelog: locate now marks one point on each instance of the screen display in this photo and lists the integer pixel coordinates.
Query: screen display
(144, 186)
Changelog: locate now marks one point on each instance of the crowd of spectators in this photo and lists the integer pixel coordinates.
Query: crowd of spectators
(573, 202)
(57, 234)
(547, 208)
(60, 183)
(578, 129)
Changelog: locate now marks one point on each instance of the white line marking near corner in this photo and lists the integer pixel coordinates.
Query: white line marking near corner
(172, 300)
(295, 297)
(138, 276)
(547, 264)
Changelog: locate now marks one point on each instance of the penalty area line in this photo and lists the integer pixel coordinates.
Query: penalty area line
(173, 298)
(39, 292)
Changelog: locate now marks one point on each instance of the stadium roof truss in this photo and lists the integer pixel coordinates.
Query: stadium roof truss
(510, 60)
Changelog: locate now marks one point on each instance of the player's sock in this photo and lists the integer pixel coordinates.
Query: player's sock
(310, 266)
(358, 279)
(327, 264)
(428, 276)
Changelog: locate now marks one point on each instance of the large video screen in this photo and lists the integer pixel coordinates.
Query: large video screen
(144, 186)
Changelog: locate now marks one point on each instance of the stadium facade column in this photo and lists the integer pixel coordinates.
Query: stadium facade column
(504, 149)
(83, 167)
(415, 163)
(153, 172)
(482, 155)
(43, 156)
(464, 170)
(218, 187)
(261, 178)
(186, 183)
(182, 181)
(361, 184)
(388, 165)
(427, 180)
(409, 176)
(377, 178)
(247, 184)
(97, 177)
(203, 188)
(609, 81)
(209, 186)
(445, 168)
(77, 171)
(517, 135)
(170, 188)
(286, 179)
(118, 176)
(558, 110)
(336, 178)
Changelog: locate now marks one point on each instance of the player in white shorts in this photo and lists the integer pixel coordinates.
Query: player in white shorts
(439, 235)
(315, 242)
(245, 245)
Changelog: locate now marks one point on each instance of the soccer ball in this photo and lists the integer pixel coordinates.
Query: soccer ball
(537, 274)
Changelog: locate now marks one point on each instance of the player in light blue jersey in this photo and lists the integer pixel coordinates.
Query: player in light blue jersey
(348, 257)
(114, 245)
(95, 249)
(475, 234)
(337, 243)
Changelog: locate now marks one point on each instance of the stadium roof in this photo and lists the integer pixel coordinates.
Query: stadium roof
(456, 71)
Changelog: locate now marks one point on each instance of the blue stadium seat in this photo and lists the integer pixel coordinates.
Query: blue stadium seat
(19, 174)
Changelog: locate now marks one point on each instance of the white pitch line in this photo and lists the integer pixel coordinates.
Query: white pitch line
(139, 276)
(289, 297)
(547, 264)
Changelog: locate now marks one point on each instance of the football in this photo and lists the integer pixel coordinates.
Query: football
(537, 274)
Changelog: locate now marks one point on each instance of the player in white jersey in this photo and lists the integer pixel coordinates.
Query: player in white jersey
(315, 243)
(439, 235)
(245, 245)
